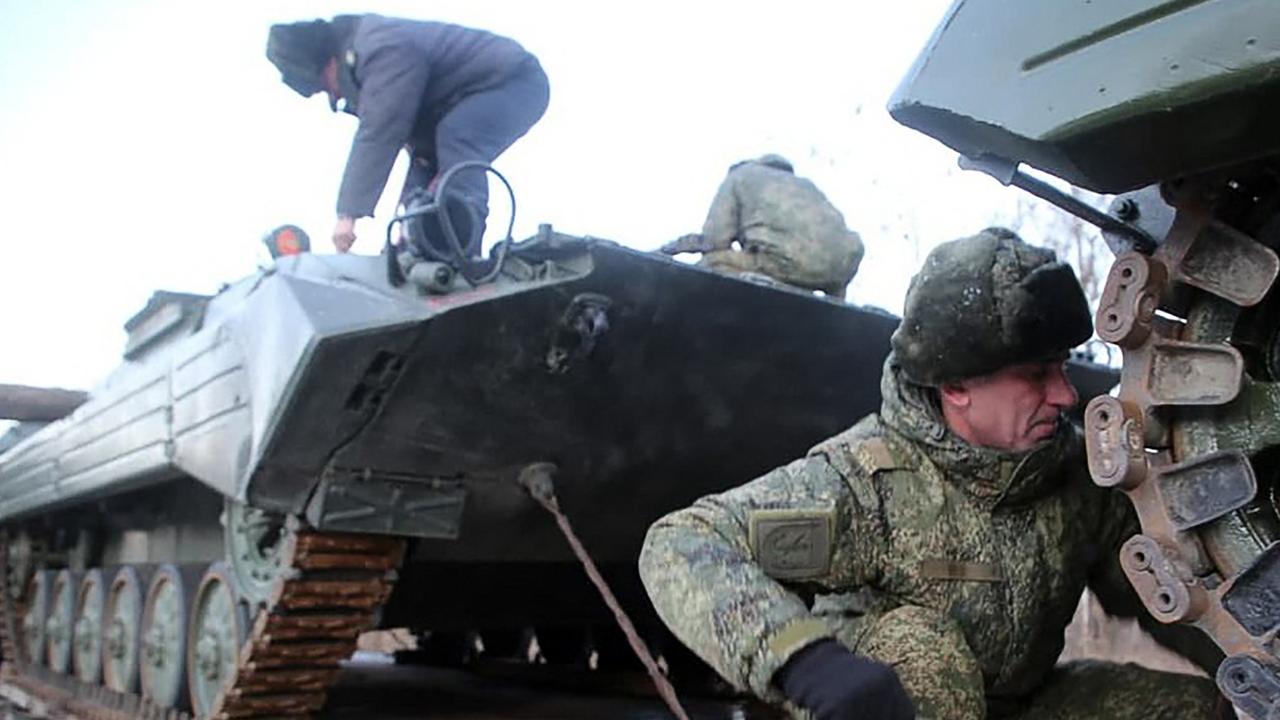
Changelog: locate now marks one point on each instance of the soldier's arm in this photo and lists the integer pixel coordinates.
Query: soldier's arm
(393, 80)
(856, 249)
(723, 219)
(690, 243)
(1118, 598)
(723, 573)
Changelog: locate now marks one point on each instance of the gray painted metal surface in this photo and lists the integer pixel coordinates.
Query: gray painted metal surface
(203, 403)
(316, 387)
(1108, 95)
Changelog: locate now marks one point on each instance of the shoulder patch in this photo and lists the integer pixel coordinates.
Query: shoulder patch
(792, 544)
(874, 455)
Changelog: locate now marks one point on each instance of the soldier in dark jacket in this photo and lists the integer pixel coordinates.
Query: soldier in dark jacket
(449, 94)
(957, 528)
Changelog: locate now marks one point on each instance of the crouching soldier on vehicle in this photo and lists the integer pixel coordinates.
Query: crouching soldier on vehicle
(959, 526)
(782, 225)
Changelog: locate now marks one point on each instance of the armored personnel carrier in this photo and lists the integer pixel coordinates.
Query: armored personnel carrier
(338, 443)
(333, 444)
(1174, 106)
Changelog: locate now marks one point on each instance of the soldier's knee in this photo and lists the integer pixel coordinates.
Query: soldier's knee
(726, 261)
(928, 651)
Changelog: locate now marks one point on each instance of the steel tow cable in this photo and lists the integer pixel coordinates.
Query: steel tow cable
(537, 480)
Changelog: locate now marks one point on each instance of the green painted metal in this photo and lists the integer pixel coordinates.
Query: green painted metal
(253, 540)
(162, 675)
(21, 553)
(35, 615)
(1107, 95)
(1250, 423)
(61, 620)
(86, 641)
(214, 635)
(122, 618)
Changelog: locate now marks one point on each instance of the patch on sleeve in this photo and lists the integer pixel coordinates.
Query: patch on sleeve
(792, 544)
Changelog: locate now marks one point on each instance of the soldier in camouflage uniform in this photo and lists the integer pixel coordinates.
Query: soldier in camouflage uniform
(928, 559)
(784, 227)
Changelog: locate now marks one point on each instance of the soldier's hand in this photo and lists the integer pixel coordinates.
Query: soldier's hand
(670, 248)
(835, 684)
(692, 242)
(344, 233)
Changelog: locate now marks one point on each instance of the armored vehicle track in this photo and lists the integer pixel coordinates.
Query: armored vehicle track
(1180, 100)
(277, 662)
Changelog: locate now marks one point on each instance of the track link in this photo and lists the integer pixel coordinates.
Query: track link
(1177, 378)
(330, 591)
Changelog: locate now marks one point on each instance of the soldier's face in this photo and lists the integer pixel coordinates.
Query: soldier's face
(330, 75)
(1011, 409)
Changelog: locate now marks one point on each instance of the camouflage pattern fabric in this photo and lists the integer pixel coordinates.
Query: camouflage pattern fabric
(928, 651)
(1091, 690)
(985, 302)
(785, 227)
(959, 566)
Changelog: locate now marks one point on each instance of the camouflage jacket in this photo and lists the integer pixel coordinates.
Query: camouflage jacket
(773, 212)
(900, 512)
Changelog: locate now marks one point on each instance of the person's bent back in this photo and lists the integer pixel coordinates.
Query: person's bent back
(764, 219)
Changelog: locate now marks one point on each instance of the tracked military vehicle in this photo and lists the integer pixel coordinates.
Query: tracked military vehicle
(338, 443)
(333, 444)
(1172, 105)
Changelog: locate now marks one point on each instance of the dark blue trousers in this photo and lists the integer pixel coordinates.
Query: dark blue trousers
(480, 126)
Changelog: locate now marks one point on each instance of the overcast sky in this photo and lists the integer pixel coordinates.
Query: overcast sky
(148, 145)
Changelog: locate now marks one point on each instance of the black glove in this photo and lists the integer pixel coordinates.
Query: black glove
(835, 684)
